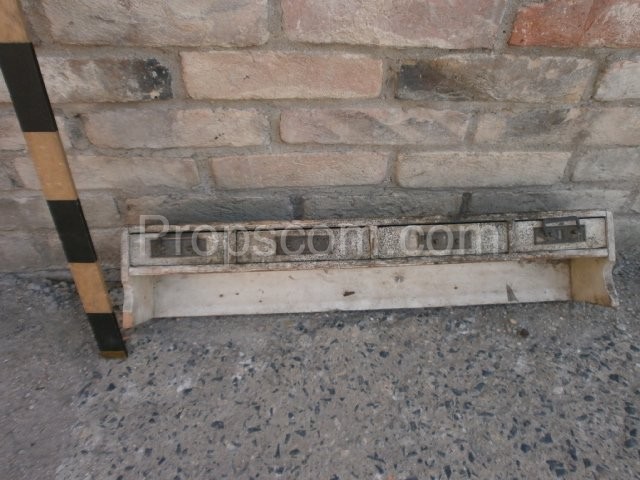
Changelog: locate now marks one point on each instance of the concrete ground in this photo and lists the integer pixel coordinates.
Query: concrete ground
(501, 392)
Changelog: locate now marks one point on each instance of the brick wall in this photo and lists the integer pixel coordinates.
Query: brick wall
(276, 109)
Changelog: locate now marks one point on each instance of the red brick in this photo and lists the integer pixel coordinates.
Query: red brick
(231, 75)
(398, 23)
(584, 23)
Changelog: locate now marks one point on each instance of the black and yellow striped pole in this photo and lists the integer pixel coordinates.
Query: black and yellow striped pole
(31, 103)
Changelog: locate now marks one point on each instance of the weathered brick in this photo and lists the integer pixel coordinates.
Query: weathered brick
(104, 79)
(105, 240)
(564, 198)
(477, 169)
(101, 78)
(132, 174)
(620, 81)
(615, 164)
(4, 92)
(388, 126)
(627, 232)
(7, 177)
(192, 127)
(398, 23)
(496, 77)
(377, 202)
(231, 75)
(10, 134)
(20, 251)
(299, 170)
(614, 126)
(28, 210)
(216, 207)
(107, 245)
(541, 126)
(24, 211)
(585, 23)
(154, 22)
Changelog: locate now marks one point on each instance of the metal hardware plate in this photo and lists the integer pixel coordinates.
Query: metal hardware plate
(559, 234)
(185, 248)
(559, 230)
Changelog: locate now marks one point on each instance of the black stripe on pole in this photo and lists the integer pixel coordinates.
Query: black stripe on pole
(26, 87)
(107, 332)
(73, 230)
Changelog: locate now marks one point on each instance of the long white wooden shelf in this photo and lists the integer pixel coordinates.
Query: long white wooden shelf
(311, 266)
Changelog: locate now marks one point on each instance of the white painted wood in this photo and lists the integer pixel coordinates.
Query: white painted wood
(293, 284)
(359, 288)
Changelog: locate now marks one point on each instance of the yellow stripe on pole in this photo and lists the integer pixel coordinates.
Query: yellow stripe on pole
(51, 165)
(12, 25)
(91, 287)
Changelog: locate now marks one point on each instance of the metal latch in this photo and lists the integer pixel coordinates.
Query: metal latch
(559, 230)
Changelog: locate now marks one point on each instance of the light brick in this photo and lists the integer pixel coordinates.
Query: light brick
(388, 126)
(614, 164)
(215, 207)
(299, 170)
(571, 198)
(100, 209)
(132, 174)
(476, 169)
(398, 23)
(10, 134)
(620, 81)
(496, 77)
(244, 75)
(195, 23)
(542, 126)
(614, 126)
(583, 23)
(167, 128)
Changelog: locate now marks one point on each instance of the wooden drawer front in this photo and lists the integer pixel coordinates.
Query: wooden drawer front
(442, 240)
(298, 245)
(181, 248)
(563, 234)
